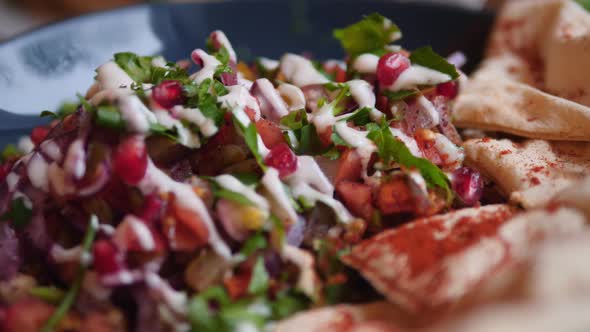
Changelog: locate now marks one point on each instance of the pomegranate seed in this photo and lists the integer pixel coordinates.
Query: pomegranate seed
(130, 160)
(107, 258)
(390, 66)
(39, 134)
(168, 94)
(152, 208)
(449, 89)
(468, 185)
(283, 159)
(196, 57)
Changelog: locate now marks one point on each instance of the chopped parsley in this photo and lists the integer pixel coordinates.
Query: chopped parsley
(19, 213)
(259, 280)
(369, 35)
(360, 117)
(426, 57)
(391, 149)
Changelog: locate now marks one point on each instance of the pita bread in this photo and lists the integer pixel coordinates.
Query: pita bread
(555, 294)
(433, 261)
(343, 318)
(576, 196)
(535, 81)
(532, 172)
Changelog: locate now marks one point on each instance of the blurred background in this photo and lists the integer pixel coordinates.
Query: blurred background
(17, 16)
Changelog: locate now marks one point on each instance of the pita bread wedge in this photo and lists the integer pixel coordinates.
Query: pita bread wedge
(577, 196)
(433, 261)
(535, 82)
(531, 172)
(554, 294)
(378, 317)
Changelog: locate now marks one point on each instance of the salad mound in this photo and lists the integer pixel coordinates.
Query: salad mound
(222, 198)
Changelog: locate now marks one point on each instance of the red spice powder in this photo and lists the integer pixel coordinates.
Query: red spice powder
(535, 181)
(537, 169)
(505, 152)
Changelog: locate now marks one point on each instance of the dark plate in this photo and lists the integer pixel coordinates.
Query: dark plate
(41, 69)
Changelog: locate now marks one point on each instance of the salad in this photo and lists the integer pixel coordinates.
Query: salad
(219, 195)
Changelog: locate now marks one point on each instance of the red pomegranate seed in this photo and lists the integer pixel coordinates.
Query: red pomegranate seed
(449, 89)
(283, 159)
(39, 134)
(468, 185)
(130, 160)
(152, 208)
(106, 257)
(390, 66)
(196, 57)
(168, 94)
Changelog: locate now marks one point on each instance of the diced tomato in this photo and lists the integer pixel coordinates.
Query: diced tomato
(100, 322)
(270, 133)
(357, 197)
(349, 168)
(27, 315)
(426, 140)
(251, 113)
(394, 196)
(337, 71)
(130, 235)
(237, 285)
(326, 137)
(185, 229)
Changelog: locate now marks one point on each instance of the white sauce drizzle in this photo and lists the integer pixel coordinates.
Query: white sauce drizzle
(210, 63)
(222, 39)
(136, 115)
(453, 154)
(300, 71)
(268, 64)
(232, 184)
(63, 255)
(410, 142)
(143, 235)
(239, 97)
(417, 75)
(280, 202)
(358, 139)
(362, 92)
(243, 118)
(277, 107)
(177, 301)
(206, 126)
(156, 180)
(12, 180)
(185, 136)
(302, 189)
(25, 145)
(292, 95)
(431, 111)
(37, 172)
(111, 76)
(309, 171)
(74, 163)
(51, 149)
(366, 63)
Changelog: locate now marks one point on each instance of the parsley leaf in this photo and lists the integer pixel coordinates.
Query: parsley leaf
(361, 116)
(584, 3)
(370, 35)
(200, 97)
(109, 117)
(338, 140)
(426, 57)
(309, 141)
(50, 294)
(259, 280)
(250, 135)
(295, 120)
(139, 68)
(400, 95)
(19, 213)
(254, 243)
(200, 312)
(392, 149)
(287, 303)
(10, 152)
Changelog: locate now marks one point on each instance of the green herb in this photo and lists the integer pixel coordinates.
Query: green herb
(295, 120)
(108, 116)
(309, 141)
(426, 57)
(48, 294)
(158, 129)
(361, 116)
(201, 97)
(337, 108)
(338, 140)
(200, 312)
(333, 153)
(259, 280)
(287, 303)
(400, 95)
(392, 149)
(249, 179)
(48, 114)
(370, 35)
(584, 3)
(333, 86)
(72, 293)
(263, 71)
(139, 68)
(10, 151)
(250, 135)
(253, 244)
(19, 214)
